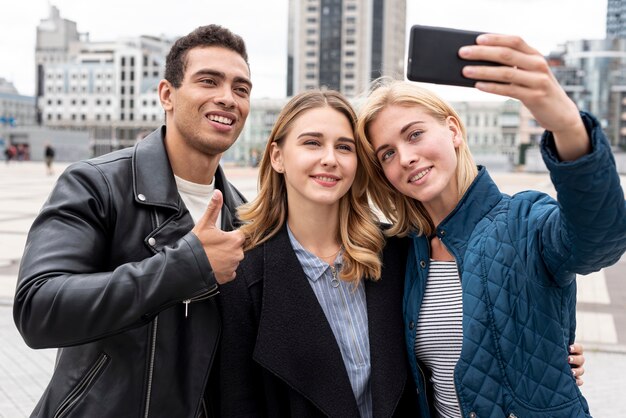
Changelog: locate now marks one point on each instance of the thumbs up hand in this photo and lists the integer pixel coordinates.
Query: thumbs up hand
(223, 249)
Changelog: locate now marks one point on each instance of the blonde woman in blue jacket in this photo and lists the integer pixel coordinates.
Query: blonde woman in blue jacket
(490, 291)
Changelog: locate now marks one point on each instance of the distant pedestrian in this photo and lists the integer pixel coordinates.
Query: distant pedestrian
(9, 153)
(49, 158)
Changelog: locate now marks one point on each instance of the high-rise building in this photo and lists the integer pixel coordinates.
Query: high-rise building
(616, 19)
(107, 88)
(344, 44)
(593, 74)
(54, 37)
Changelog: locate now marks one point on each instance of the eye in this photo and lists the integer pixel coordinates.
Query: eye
(344, 147)
(208, 81)
(242, 91)
(312, 142)
(413, 136)
(386, 155)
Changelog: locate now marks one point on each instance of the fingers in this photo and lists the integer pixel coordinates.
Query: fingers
(576, 359)
(510, 41)
(213, 210)
(225, 255)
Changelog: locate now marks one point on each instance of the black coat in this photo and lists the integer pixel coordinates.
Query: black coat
(279, 357)
(107, 263)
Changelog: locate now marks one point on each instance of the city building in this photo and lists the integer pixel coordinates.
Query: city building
(108, 89)
(616, 19)
(593, 74)
(19, 129)
(344, 44)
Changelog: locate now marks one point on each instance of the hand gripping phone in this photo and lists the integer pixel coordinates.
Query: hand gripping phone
(434, 55)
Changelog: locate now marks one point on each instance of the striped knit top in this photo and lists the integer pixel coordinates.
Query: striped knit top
(440, 334)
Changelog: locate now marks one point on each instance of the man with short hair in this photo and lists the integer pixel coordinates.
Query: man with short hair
(121, 265)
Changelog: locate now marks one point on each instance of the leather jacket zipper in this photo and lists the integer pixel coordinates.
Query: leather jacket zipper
(155, 325)
(208, 294)
(81, 388)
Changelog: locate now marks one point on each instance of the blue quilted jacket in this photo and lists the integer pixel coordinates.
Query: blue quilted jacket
(517, 257)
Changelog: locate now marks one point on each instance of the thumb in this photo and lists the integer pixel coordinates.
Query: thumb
(214, 208)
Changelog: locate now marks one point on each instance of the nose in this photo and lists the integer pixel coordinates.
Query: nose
(329, 158)
(224, 97)
(406, 157)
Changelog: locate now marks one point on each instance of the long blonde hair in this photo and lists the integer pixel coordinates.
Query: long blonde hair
(358, 231)
(405, 213)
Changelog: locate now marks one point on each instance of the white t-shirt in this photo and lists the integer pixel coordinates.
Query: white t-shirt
(196, 197)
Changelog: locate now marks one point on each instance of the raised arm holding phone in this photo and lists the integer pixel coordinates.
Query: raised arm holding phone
(490, 291)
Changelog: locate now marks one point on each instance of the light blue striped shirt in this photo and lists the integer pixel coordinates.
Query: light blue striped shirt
(346, 311)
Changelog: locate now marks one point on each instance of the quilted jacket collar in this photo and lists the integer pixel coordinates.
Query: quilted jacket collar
(481, 197)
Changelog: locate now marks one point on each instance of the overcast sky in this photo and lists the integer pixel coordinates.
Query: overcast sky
(263, 25)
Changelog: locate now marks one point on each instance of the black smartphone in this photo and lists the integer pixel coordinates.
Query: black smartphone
(434, 55)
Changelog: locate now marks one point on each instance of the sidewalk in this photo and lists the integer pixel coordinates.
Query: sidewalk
(24, 373)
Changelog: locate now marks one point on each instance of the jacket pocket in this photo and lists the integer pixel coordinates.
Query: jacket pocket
(82, 387)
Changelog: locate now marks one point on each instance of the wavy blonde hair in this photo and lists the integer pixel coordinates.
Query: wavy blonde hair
(358, 232)
(405, 213)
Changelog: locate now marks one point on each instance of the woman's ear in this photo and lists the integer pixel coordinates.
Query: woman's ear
(455, 128)
(276, 157)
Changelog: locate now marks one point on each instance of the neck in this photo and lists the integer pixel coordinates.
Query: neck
(190, 164)
(316, 228)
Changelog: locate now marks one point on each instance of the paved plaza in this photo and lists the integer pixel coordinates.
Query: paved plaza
(24, 372)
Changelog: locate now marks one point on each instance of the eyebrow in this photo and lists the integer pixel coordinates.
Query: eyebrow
(319, 135)
(220, 74)
(402, 131)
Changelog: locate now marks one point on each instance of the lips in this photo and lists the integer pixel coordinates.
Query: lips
(419, 174)
(221, 119)
(327, 178)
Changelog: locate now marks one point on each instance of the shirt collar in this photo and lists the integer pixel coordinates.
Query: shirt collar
(313, 266)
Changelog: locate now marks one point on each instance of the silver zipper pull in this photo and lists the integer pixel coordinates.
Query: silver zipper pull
(334, 282)
(186, 302)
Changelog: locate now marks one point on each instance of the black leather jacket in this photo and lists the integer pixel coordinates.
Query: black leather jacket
(107, 265)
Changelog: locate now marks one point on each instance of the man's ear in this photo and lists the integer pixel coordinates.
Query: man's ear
(166, 91)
